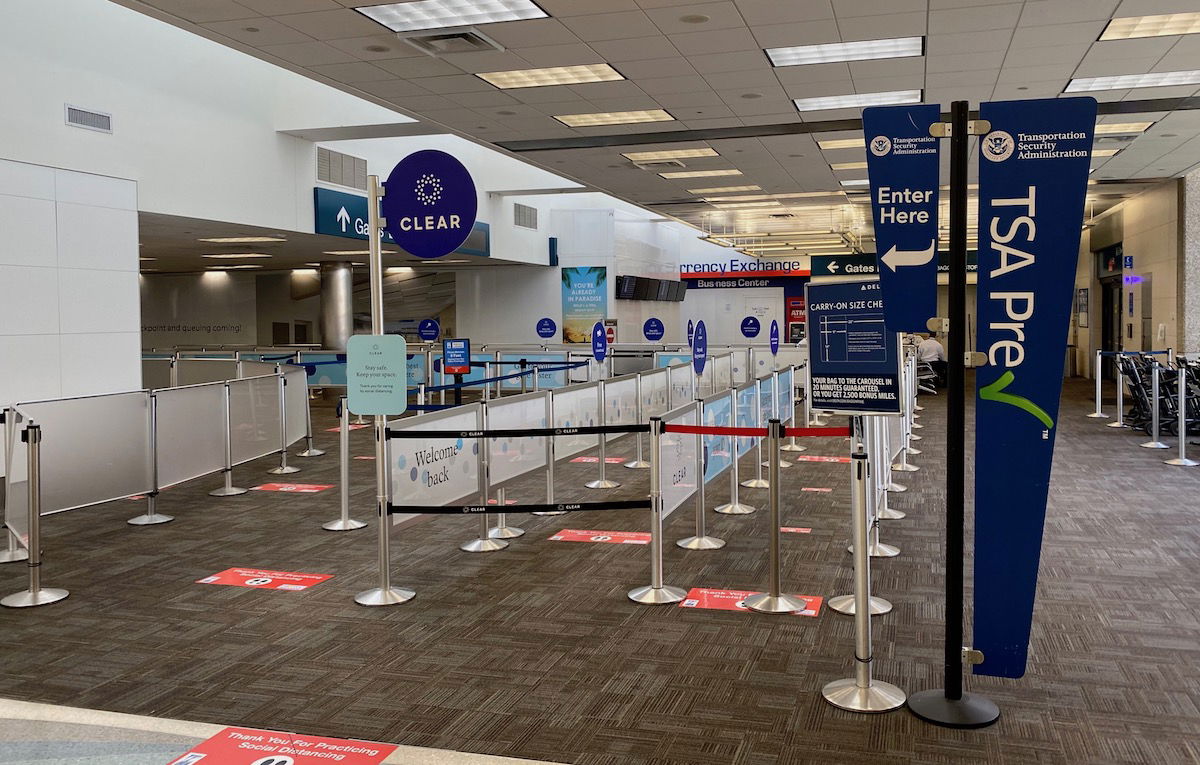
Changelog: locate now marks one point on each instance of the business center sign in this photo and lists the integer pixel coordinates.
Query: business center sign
(429, 204)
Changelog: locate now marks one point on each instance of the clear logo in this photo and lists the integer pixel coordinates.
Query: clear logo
(998, 146)
(881, 145)
(429, 189)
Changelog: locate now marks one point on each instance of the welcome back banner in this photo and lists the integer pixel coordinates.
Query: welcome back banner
(1032, 180)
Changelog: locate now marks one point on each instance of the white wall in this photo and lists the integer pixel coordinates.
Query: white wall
(722, 310)
(68, 284)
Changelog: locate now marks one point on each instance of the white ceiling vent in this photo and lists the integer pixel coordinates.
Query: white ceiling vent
(88, 120)
(524, 216)
(458, 41)
(654, 165)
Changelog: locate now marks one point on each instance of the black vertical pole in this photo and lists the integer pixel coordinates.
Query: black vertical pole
(949, 706)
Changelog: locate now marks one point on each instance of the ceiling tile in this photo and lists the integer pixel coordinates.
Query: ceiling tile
(1057, 12)
(768, 12)
(701, 124)
(636, 49)
(392, 88)
(672, 101)
(611, 26)
(484, 99)
(359, 71)
(961, 79)
(774, 101)
(813, 89)
(801, 75)
(885, 26)
(275, 7)
(1151, 7)
(424, 66)
(1100, 66)
(845, 9)
(461, 83)
(570, 54)
(486, 61)
(309, 53)
(783, 35)
(751, 79)
(736, 61)
(1057, 34)
(332, 25)
(1054, 54)
(716, 41)
(686, 84)
(974, 19)
(968, 42)
(530, 33)
(892, 67)
(657, 67)
(722, 15)
(202, 11)
(624, 104)
(576, 106)
(423, 104)
(561, 8)
(546, 95)
(392, 48)
(702, 112)
(257, 32)
(597, 90)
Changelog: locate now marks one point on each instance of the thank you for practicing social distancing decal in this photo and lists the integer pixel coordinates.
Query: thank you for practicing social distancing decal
(429, 204)
(1033, 174)
(854, 360)
(902, 164)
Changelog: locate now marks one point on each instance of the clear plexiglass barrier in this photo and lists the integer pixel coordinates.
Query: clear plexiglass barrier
(512, 456)
(195, 371)
(254, 418)
(191, 432)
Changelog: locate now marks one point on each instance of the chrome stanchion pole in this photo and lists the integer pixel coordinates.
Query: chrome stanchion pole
(914, 407)
(638, 463)
(1120, 423)
(36, 595)
(735, 505)
(284, 468)
(881, 469)
(773, 601)
(700, 540)
(875, 548)
(656, 592)
(1099, 413)
(892, 486)
(775, 455)
(15, 553)
(791, 445)
(550, 458)
(484, 543)
(502, 530)
(345, 522)
(152, 516)
(757, 482)
(603, 481)
(861, 693)
(228, 490)
(1181, 429)
(906, 418)
(309, 449)
(1154, 442)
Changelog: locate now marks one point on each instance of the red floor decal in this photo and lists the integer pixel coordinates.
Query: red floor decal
(731, 600)
(265, 580)
(818, 458)
(606, 537)
(811, 488)
(246, 746)
(295, 488)
(507, 502)
(795, 530)
(607, 460)
(338, 429)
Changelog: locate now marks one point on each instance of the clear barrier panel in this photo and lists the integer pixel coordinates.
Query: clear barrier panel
(723, 372)
(325, 369)
(512, 456)
(763, 362)
(191, 432)
(196, 371)
(746, 417)
(295, 396)
(435, 471)
(681, 384)
(662, 359)
(740, 359)
(792, 355)
(787, 395)
(251, 368)
(625, 365)
(546, 380)
(253, 418)
(94, 449)
(16, 483)
(620, 403)
(575, 407)
(895, 435)
(416, 368)
(582, 373)
(207, 354)
(156, 373)
(717, 449)
(766, 400)
(655, 393)
(677, 460)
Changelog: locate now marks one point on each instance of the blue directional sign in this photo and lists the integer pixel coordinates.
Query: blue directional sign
(699, 348)
(902, 164)
(774, 337)
(430, 204)
(546, 327)
(653, 330)
(337, 213)
(599, 342)
(691, 332)
(751, 327)
(429, 330)
(853, 358)
(1032, 183)
(456, 356)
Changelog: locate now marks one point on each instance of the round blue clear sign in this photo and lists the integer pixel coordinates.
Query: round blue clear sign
(430, 203)
(653, 329)
(750, 327)
(599, 342)
(546, 327)
(429, 329)
(699, 348)
(774, 337)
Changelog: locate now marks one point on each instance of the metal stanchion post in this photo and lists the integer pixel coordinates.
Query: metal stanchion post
(1155, 369)
(773, 601)
(861, 693)
(638, 463)
(875, 548)
(550, 458)
(1120, 423)
(309, 449)
(152, 516)
(36, 595)
(700, 540)
(1096, 369)
(757, 482)
(881, 469)
(228, 490)
(1181, 428)
(887, 458)
(345, 522)
(656, 592)
(791, 445)
(775, 455)
(484, 543)
(603, 481)
(734, 506)
(502, 530)
(284, 468)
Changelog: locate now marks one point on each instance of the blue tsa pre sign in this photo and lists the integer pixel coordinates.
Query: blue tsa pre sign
(774, 337)
(546, 327)
(1032, 183)
(699, 348)
(751, 326)
(853, 358)
(599, 342)
(429, 205)
(902, 164)
(653, 329)
(429, 329)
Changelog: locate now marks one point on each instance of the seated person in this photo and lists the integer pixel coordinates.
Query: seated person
(931, 351)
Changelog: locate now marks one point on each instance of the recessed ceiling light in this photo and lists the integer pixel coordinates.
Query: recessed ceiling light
(855, 182)
(858, 100)
(843, 143)
(356, 252)
(438, 14)
(721, 189)
(1123, 81)
(554, 75)
(400, 270)
(304, 272)
(147, 258)
(231, 268)
(698, 173)
(315, 265)
(848, 166)
(1110, 128)
(243, 239)
(235, 255)
(695, 18)
(613, 118)
(788, 195)
(377, 49)
(651, 156)
(752, 95)
(861, 50)
(1152, 26)
(455, 261)
(735, 205)
(1104, 152)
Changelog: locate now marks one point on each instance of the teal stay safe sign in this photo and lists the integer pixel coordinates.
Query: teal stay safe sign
(376, 374)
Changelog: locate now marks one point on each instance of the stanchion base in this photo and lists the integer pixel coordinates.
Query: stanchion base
(1154, 445)
(782, 464)
(347, 525)
(755, 483)
(701, 543)
(230, 491)
(505, 532)
(844, 604)
(284, 470)
(901, 467)
(150, 519)
(637, 465)
(657, 595)
(971, 711)
(13, 556)
(30, 598)
(483, 545)
(1181, 462)
(793, 448)
(914, 437)
(896, 487)
(880, 697)
(911, 451)
(311, 453)
(878, 550)
(1098, 416)
(602, 484)
(1116, 425)
(550, 512)
(918, 408)
(765, 603)
(888, 514)
(731, 508)
(380, 597)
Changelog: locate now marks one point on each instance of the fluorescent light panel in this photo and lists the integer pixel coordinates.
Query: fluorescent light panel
(848, 166)
(723, 189)
(242, 239)
(1152, 26)
(855, 182)
(613, 118)
(439, 14)
(734, 205)
(843, 143)
(356, 252)
(1116, 128)
(1104, 152)
(652, 156)
(231, 268)
(790, 195)
(861, 50)
(858, 100)
(554, 75)
(235, 255)
(1124, 81)
(698, 173)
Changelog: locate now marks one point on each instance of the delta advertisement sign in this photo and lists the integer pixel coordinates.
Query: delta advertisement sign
(742, 271)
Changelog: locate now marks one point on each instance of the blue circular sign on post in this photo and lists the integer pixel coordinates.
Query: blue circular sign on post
(691, 332)
(774, 337)
(430, 204)
(700, 348)
(599, 342)
(546, 327)
(429, 329)
(751, 327)
(653, 329)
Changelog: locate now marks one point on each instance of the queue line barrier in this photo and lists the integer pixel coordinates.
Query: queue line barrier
(1180, 407)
